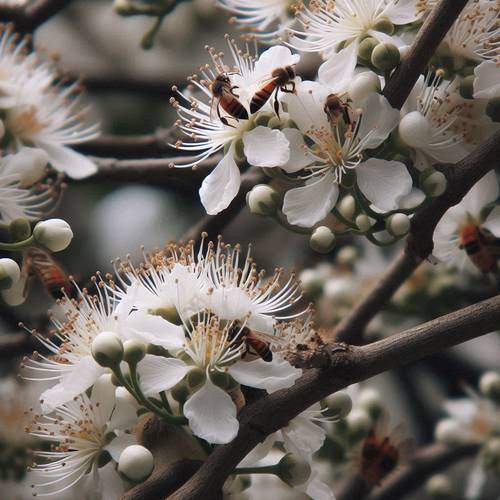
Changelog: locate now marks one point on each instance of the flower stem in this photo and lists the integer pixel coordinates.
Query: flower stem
(18, 246)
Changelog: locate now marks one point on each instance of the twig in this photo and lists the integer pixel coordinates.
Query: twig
(428, 461)
(428, 38)
(461, 177)
(28, 19)
(346, 367)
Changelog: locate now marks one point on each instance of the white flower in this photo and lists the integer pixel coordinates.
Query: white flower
(328, 25)
(428, 123)
(464, 218)
(70, 364)
(85, 431)
(267, 19)
(214, 347)
(24, 193)
(337, 150)
(487, 80)
(208, 134)
(39, 112)
(475, 34)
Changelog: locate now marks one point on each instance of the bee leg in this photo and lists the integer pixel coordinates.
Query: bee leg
(232, 90)
(223, 119)
(276, 105)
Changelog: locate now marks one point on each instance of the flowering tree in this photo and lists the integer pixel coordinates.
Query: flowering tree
(189, 373)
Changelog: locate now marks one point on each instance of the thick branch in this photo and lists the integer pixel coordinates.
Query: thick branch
(415, 60)
(427, 462)
(28, 19)
(346, 367)
(461, 177)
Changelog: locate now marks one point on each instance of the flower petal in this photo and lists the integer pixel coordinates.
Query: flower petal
(212, 414)
(337, 71)
(483, 192)
(269, 375)
(265, 147)
(383, 182)
(118, 444)
(298, 151)
(221, 186)
(278, 56)
(160, 374)
(492, 222)
(487, 80)
(307, 205)
(402, 12)
(303, 437)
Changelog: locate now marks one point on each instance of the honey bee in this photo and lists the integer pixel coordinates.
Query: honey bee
(280, 79)
(335, 108)
(481, 247)
(54, 279)
(382, 452)
(256, 343)
(225, 98)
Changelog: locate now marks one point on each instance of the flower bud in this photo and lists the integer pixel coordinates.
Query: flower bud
(275, 123)
(10, 273)
(384, 25)
(493, 109)
(366, 47)
(16, 294)
(489, 384)
(347, 207)
(439, 488)
(322, 240)
(180, 391)
(136, 463)
(157, 350)
(385, 56)
(449, 431)
(223, 380)
(398, 224)
(359, 424)
(415, 130)
(370, 401)
(195, 378)
(262, 118)
(363, 222)
(262, 200)
(363, 85)
(124, 7)
(122, 395)
(133, 351)
(467, 87)
(20, 229)
(339, 405)
(54, 234)
(29, 164)
(293, 470)
(107, 349)
(310, 281)
(492, 453)
(168, 313)
(433, 183)
(347, 256)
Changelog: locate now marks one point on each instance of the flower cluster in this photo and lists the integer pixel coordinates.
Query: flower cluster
(194, 329)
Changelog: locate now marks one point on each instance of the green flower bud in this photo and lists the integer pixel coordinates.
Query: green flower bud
(493, 109)
(20, 229)
(385, 26)
(443, 50)
(107, 349)
(339, 405)
(195, 378)
(366, 47)
(263, 200)
(262, 118)
(133, 351)
(370, 401)
(449, 431)
(275, 123)
(10, 273)
(289, 123)
(468, 70)
(439, 488)
(359, 424)
(239, 152)
(467, 87)
(168, 313)
(385, 56)
(157, 350)
(180, 391)
(123, 7)
(489, 385)
(347, 256)
(293, 470)
(136, 463)
(433, 183)
(223, 380)
(347, 207)
(363, 222)
(398, 224)
(322, 240)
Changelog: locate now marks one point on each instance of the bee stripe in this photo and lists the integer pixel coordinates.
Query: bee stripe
(472, 247)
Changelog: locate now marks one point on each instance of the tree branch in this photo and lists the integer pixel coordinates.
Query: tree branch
(414, 62)
(353, 365)
(28, 19)
(461, 177)
(426, 462)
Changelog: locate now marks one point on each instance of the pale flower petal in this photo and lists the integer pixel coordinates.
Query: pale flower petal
(298, 151)
(483, 192)
(402, 12)
(118, 444)
(492, 222)
(337, 71)
(212, 414)
(265, 147)
(303, 437)
(159, 374)
(487, 80)
(278, 56)
(221, 186)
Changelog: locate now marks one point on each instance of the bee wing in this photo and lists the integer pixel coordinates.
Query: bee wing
(265, 337)
(213, 107)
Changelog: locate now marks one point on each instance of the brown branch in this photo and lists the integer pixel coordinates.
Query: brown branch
(461, 177)
(28, 19)
(348, 366)
(414, 62)
(426, 462)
